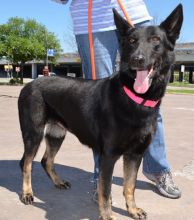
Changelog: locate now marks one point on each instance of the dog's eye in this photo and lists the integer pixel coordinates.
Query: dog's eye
(132, 40)
(155, 39)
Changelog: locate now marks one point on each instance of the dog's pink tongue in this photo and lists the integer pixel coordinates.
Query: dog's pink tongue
(141, 84)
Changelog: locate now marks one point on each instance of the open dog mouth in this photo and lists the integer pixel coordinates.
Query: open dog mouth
(143, 79)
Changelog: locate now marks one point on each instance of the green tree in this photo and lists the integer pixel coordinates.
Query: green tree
(25, 40)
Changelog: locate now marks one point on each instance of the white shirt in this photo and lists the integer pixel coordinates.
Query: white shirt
(102, 14)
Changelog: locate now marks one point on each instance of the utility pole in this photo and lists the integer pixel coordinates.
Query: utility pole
(46, 47)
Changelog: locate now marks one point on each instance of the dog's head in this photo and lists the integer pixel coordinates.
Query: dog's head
(147, 52)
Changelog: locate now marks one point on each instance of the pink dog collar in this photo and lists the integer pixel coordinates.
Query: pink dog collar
(139, 100)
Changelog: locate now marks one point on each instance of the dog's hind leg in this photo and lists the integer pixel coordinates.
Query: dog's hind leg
(55, 134)
(32, 122)
(31, 143)
(131, 166)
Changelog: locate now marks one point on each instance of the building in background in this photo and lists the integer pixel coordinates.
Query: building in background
(184, 65)
(70, 64)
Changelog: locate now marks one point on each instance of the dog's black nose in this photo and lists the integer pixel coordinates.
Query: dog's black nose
(138, 61)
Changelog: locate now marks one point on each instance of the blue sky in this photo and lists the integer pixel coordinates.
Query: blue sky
(57, 19)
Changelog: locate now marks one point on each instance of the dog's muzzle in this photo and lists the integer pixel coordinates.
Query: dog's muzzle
(138, 62)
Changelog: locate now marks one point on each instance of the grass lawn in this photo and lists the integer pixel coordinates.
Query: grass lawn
(180, 91)
(180, 88)
(182, 84)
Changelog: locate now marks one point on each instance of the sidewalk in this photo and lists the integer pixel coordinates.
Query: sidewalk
(74, 162)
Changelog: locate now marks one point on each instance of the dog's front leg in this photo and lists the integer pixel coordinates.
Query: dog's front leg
(131, 166)
(105, 182)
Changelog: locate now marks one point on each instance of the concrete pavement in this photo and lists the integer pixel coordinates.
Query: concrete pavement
(74, 163)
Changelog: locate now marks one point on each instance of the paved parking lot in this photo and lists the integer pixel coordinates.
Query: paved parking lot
(74, 163)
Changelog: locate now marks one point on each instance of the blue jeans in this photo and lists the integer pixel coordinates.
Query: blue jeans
(154, 160)
(105, 48)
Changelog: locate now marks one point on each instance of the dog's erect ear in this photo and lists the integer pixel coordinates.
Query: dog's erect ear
(121, 24)
(172, 24)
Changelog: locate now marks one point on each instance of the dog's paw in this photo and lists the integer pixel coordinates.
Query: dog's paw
(27, 199)
(63, 185)
(138, 213)
(108, 218)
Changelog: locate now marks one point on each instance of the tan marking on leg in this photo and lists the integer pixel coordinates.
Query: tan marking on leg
(48, 159)
(27, 193)
(104, 201)
(104, 205)
(130, 176)
(129, 187)
(27, 184)
(49, 165)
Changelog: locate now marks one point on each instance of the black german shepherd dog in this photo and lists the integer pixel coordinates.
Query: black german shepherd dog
(114, 116)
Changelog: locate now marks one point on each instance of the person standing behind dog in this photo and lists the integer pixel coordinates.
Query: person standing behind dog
(105, 46)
